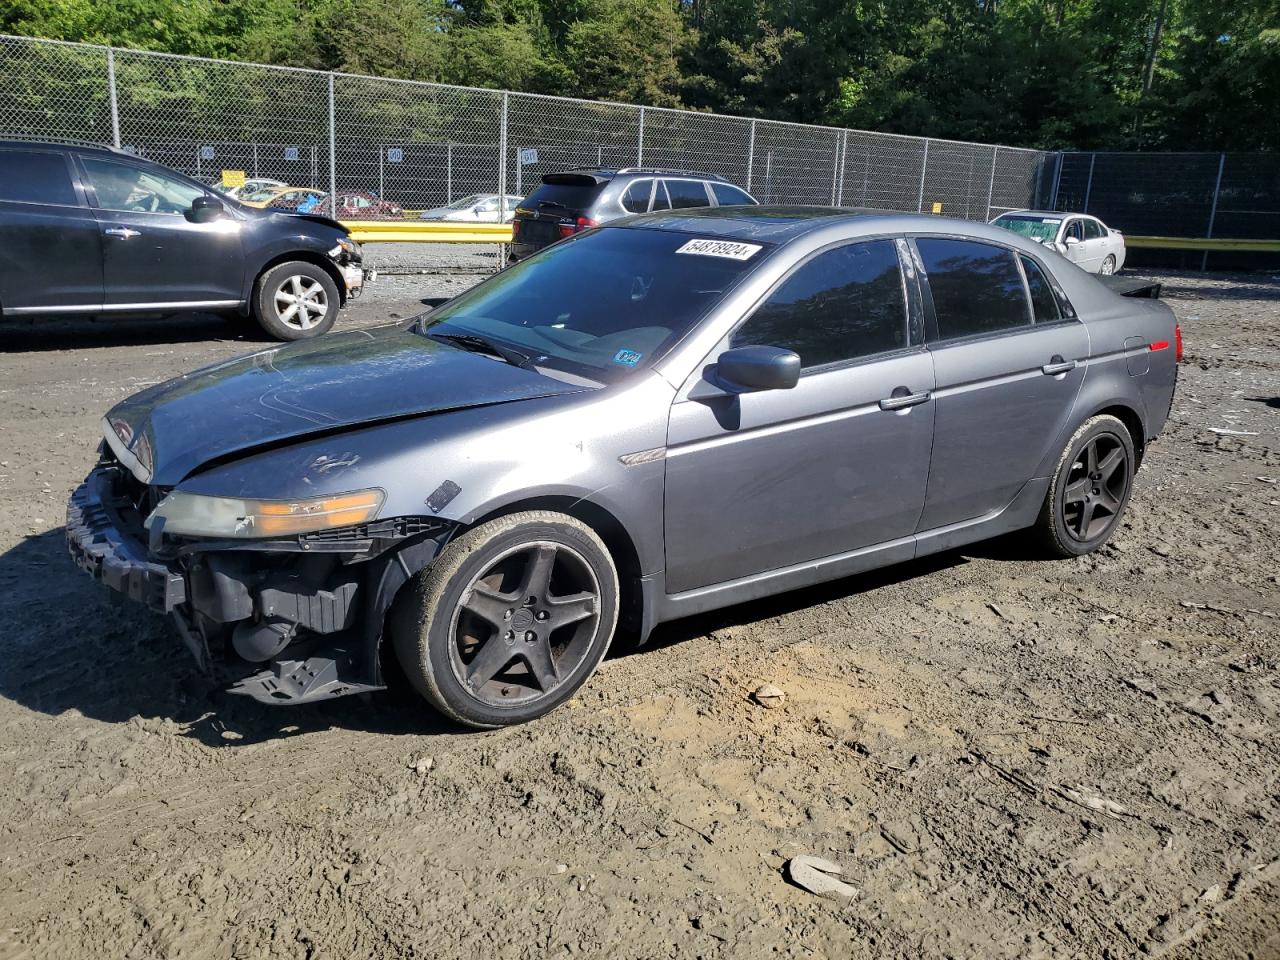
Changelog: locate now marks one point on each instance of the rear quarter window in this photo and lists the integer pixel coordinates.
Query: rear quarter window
(35, 176)
(727, 195)
(976, 287)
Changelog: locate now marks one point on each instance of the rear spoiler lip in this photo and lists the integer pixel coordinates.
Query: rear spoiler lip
(1131, 286)
(575, 179)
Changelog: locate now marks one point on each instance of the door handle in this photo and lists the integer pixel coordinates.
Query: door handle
(122, 232)
(902, 400)
(1057, 365)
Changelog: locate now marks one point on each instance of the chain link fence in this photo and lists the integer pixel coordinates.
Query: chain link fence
(1217, 196)
(423, 145)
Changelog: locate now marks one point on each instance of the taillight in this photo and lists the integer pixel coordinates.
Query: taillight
(515, 229)
(578, 225)
(1177, 343)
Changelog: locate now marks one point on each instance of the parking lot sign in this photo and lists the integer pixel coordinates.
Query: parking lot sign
(395, 154)
(291, 153)
(206, 153)
(528, 156)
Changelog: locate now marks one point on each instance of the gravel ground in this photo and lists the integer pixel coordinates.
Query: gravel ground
(1010, 758)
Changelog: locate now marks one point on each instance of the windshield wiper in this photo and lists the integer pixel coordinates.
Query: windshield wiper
(478, 344)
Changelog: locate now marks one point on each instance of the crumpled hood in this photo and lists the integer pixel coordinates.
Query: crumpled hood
(335, 382)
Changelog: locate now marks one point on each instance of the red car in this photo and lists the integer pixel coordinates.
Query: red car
(359, 205)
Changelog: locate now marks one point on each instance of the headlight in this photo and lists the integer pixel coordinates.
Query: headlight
(195, 515)
(346, 246)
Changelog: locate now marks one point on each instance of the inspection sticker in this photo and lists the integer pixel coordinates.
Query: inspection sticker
(628, 358)
(721, 248)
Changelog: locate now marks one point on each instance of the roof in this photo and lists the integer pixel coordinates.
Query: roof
(777, 224)
(1046, 213)
(88, 145)
(602, 174)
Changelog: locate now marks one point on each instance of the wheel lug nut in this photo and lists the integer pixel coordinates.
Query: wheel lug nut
(507, 615)
(542, 614)
(531, 601)
(510, 635)
(530, 636)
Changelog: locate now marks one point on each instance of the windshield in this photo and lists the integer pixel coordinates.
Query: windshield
(465, 202)
(603, 304)
(1037, 228)
(260, 193)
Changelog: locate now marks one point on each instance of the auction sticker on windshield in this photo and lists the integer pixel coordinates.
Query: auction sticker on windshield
(721, 248)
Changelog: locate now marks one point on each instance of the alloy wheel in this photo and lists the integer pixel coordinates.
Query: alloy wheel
(1108, 266)
(525, 624)
(1095, 489)
(301, 302)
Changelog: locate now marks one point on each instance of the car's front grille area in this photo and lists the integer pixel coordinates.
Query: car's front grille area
(133, 499)
(396, 528)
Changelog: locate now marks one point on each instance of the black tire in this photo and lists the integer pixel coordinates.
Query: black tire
(469, 630)
(303, 287)
(1089, 491)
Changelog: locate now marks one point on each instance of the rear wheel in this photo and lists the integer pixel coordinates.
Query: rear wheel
(1108, 266)
(1090, 489)
(296, 301)
(510, 620)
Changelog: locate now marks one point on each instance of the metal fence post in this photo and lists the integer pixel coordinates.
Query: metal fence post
(1057, 180)
(991, 187)
(1213, 210)
(111, 90)
(333, 152)
(1088, 189)
(502, 176)
(448, 173)
(835, 169)
(640, 141)
(751, 154)
(924, 166)
(844, 156)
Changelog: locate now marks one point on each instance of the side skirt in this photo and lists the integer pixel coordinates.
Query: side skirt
(660, 606)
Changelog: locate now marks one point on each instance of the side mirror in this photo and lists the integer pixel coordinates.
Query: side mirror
(759, 368)
(206, 208)
(1072, 241)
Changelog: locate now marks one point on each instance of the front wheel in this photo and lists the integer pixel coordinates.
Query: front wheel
(509, 620)
(295, 301)
(1090, 489)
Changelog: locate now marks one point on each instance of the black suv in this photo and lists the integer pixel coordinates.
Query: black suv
(576, 200)
(91, 230)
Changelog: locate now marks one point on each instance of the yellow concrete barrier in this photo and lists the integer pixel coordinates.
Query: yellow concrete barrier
(1203, 243)
(427, 231)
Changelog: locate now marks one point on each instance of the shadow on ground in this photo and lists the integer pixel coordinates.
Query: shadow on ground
(75, 333)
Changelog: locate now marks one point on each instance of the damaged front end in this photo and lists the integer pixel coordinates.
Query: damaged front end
(280, 614)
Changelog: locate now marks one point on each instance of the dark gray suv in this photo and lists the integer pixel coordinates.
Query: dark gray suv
(91, 230)
(577, 200)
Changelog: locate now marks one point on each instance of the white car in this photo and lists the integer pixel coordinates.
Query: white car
(477, 208)
(1084, 240)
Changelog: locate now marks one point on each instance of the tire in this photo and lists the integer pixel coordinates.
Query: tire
(1083, 506)
(1108, 267)
(282, 315)
(462, 628)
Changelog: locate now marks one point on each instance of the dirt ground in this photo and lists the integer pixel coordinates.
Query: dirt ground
(1009, 757)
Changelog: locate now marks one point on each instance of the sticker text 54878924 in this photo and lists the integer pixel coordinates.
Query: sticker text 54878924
(730, 249)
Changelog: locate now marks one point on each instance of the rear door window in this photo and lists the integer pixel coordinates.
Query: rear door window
(843, 304)
(1092, 230)
(727, 195)
(687, 193)
(1043, 302)
(35, 176)
(636, 198)
(976, 287)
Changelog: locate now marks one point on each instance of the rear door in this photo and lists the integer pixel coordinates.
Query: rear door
(154, 255)
(50, 248)
(1096, 243)
(1005, 384)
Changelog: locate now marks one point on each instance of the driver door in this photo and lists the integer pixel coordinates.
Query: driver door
(154, 256)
